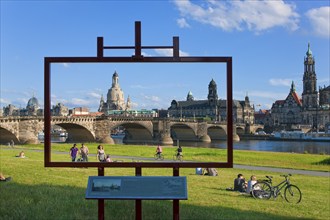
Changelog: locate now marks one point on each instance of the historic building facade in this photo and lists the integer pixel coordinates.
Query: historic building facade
(287, 111)
(32, 109)
(213, 108)
(115, 98)
(312, 109)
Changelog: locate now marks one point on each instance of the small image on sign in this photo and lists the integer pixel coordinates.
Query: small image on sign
(106, 185)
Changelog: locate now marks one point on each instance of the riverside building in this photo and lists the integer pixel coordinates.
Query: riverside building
(311, 110)
(212, 108)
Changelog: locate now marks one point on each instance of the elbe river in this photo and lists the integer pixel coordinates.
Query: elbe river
(311, 147)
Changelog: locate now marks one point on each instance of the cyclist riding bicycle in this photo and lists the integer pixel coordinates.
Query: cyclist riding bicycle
(179, 151)
(159, 150)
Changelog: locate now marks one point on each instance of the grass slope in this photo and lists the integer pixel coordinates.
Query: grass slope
(59, 193)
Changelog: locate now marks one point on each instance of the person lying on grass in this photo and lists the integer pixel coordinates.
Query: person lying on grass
(3, 178)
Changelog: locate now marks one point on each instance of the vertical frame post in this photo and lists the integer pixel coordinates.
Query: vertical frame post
(100, 171)
(230, 112)
(138, 202)
(176, 204)
(138, 39)
(176, 50)
(47, 100)
(99, 47)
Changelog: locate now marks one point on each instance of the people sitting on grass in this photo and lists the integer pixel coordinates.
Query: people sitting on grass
(108, 159)
(3, 178)
(251, 182)
(210, 172)
(21, 154)
(240, 184)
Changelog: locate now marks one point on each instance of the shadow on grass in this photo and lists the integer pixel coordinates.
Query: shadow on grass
(326, 161)
(20, 201)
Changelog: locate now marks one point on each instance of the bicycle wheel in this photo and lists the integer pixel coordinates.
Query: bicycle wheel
(156, 157)
(292, 194)
(261, 190)
(180, 157)
(161, 157)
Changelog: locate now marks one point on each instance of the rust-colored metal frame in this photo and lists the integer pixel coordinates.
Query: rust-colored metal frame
(137, 58)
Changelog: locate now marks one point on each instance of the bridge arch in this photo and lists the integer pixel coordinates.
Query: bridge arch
(7, 136)
(240, 130)
(256, 128)
(77, 133)
(217, 133)
(136, 133)
(184, 132)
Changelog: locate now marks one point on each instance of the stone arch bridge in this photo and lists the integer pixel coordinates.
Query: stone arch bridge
(25, 130)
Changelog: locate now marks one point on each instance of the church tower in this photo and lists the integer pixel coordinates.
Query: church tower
(115, 96)
(213, 94)
(310, 94)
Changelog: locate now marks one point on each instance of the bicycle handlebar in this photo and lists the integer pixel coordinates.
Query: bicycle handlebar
(289, 174)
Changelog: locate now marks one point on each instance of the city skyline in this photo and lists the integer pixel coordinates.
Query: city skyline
(267, 53)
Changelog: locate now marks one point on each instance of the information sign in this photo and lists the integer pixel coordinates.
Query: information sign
(137, 187)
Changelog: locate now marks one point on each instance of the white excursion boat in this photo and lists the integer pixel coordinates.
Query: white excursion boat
(300, 135)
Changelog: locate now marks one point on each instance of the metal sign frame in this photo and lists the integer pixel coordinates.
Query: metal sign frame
(137, 58)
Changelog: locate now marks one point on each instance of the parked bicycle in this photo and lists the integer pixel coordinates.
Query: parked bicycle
(264, 190)
(159, 156)
(178, 157)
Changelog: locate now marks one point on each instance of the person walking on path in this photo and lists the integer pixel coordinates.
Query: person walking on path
(74, 152)
(100, 153)
(84, 153)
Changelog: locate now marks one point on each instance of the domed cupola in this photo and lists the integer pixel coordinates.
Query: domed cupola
(190, 96)
(33, 103)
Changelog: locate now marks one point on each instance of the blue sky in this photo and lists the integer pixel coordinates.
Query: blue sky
(267, 40)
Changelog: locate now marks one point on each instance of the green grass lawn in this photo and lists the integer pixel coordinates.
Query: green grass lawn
(59, 193)
(256, 158)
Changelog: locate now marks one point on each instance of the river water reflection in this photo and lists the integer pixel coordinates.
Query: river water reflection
(274, 146)
(255, 145)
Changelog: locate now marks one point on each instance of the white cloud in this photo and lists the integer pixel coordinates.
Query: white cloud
(80, 102)
(182, 23)
(138, 87)
(319, 19)
(152, 98)
(280, 82)
(239, 15)
(4, 101)
(169, 52)
(94, 95)
(66, 65)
